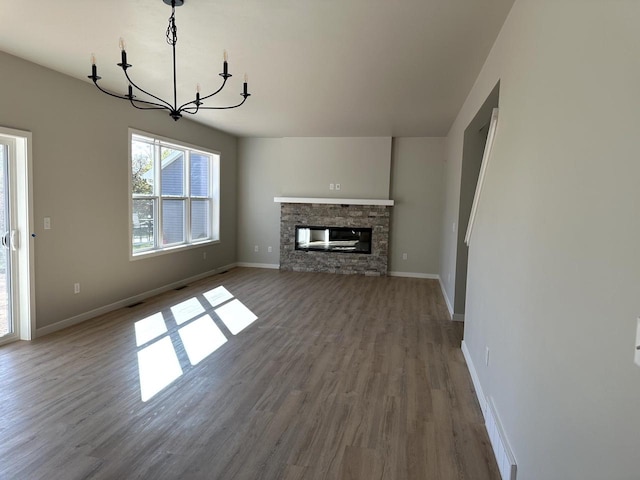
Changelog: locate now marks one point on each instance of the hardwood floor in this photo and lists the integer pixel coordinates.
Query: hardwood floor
(339, 377)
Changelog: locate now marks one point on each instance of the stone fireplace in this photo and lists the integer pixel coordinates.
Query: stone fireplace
(328, 213)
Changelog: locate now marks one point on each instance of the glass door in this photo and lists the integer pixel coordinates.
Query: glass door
(7, 236)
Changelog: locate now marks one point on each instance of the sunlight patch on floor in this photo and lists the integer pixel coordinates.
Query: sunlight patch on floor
(149, 328)
(196, 331)
(159, 366)
(201, 338)
(236, 316)
(187, 310)
(217, 296)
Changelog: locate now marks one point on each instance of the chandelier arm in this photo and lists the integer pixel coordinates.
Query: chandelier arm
(226, 108)
(183, 106)
(156, 106)
(224, 82)
(122, 97)
(163, 102)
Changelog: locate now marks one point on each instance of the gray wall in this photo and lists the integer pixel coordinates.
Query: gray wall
(554, 270)
(417, 168)
(365, 167)
(360, 165)
(80, 180)
(259, 180)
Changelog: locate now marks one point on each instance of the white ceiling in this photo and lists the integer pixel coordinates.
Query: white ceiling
(316, 67)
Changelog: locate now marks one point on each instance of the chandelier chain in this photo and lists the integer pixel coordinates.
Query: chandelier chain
(172, 29)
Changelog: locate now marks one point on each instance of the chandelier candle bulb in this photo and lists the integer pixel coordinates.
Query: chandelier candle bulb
(123, 52)
(246, 79)
(94, 68)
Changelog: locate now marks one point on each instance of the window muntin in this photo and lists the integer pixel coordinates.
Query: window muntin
(174, 195)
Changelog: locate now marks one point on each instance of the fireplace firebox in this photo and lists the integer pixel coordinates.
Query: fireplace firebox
(333, 239)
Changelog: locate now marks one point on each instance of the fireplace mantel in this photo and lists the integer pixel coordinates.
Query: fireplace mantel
(334, 201)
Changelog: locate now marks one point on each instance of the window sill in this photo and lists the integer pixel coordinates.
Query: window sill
(167, 250)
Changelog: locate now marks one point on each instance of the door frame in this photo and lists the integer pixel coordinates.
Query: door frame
(23, 289)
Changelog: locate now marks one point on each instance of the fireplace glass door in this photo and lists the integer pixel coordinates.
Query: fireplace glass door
(333, 239)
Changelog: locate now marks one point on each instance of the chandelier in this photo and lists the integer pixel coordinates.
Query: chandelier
(192, 107)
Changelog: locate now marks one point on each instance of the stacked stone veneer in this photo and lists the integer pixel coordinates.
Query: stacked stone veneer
(323, 215)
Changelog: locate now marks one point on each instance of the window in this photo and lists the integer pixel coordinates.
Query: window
(174, 194)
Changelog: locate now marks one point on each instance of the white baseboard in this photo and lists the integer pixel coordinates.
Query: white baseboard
(498, 439)
(497, 436)
(432, 276)
(475, 379)
(273, 266)
(457, 317)
(68, 322)
(446, 298)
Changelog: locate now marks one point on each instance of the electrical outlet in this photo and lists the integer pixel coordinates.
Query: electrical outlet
(269, 249)
(404, 256)
(76, 288)
(256, 248)
(337, 186)
(47, 223)
(486, 356)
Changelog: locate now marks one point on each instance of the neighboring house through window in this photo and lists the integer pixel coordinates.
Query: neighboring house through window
(174, 194)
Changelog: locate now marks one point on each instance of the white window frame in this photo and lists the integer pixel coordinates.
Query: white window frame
(214, 211)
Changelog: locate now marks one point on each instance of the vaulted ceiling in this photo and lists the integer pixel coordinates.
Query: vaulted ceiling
(316, 67)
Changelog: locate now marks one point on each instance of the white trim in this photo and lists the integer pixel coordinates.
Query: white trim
(475, 379)
(498, 438)
(26, 303)
(158, 142)
(446, 298)
(457, 317)
(483, 170)
(183, 247)
(273, 266)
(432, 276)
(127, 301)
(334, 201)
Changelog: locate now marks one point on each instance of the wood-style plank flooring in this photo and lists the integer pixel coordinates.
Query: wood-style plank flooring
(340, 377)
